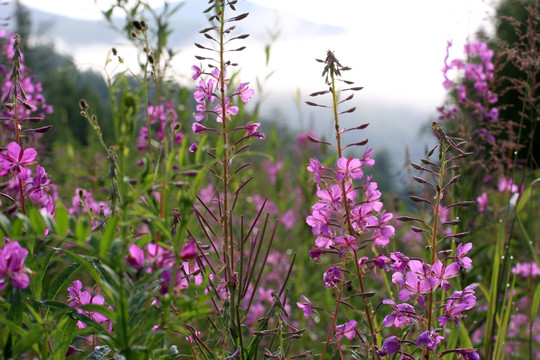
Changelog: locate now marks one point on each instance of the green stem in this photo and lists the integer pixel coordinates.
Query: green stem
(434, 235)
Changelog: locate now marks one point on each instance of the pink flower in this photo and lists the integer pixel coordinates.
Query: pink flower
(526, 269)
(317, 169)
(12, 257)
(305, 306)
(461, 258)
(349, 168)
(15, 159)
(229, 109)
(196, 72)
(429, 339)
(198, 128)
(78, 298)
(193, 147)
(482, 201)
(252, 130)
(390, 346)
(189, 251)
(507, 185)
(244, 92)
(346, 242)
(40, 185)
(347, 330)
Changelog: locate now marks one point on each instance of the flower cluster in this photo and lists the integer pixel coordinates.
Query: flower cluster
(338, 199)
(479, 70)
(34, 108)
(16, 161)
(78, 298)
(12, 269)
(156, 258)
(160, 116)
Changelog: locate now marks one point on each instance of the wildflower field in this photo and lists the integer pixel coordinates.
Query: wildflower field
(191, 230)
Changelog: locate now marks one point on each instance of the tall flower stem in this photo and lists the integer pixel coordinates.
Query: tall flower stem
(335, 102)
(434, 233)
(228, 246)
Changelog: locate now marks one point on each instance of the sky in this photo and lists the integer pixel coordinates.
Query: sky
(395, 48)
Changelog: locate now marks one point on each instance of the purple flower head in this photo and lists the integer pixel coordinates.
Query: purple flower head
(12, 257)
(204, 92)
(442, 272)
(40, 186)
(193, 147)
(15, 159)
(367, 160)
(415, 286)
(331, 198)
(468, 354)
(305, 306)
(529, 269)
(482, 201)
(135, 257)
(390, 346)
(78, 298)
(316, 253)
(429, 340)
(347, 330)
(319, 222)
(507, 185)
(457, 304)
(332, 276)
(381, 261)
(196, 72)
(189, 251)
(399, 262)
(229, 110)
(350, 168)
(346, 242)
(252, 130)
(402, 314)
(461, 258)
(244, 92)
(317, 169)
(198, 128)
(201, 108)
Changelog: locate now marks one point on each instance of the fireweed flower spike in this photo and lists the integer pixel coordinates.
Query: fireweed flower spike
(420, 281)
(348, 215)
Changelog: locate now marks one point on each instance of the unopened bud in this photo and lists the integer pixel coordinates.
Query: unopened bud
(83, 104)
(137, 25)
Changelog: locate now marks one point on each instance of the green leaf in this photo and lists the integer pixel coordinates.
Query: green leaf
(63, 336)
(30, 338)
(5, 225)
(99, 353)
(62, 220)
(82, 230)
(91, 271)
(36, 220)
(535, 302)
(108, 236)
(61, 280)
(102, 309)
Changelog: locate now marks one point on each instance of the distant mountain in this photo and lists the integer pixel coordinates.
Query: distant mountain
(186, 23)
(392, 126)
